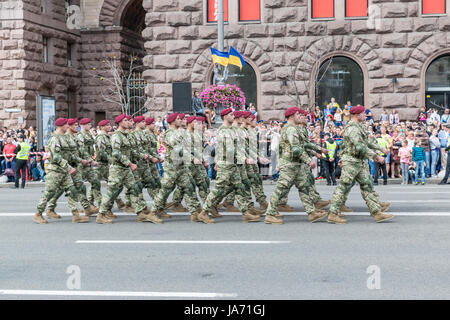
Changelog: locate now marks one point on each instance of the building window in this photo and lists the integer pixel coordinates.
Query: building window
(249, 10)
(433, 7)
(43, 6)
(213, 10)
(322, 9)
(437, 84)
(45, 49)
(356, 8)
(340, 78)
(70, 47)
(71, 104)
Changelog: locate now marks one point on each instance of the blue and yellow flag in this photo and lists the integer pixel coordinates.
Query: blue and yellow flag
(220, 57)
(236, 58)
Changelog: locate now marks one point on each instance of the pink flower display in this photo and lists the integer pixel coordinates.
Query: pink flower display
(229, 95)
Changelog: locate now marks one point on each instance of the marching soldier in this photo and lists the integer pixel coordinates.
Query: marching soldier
(88, 172)
(103, 151)
(151, 147)
(357, 151)
(230, 160)
(58, 176)
(292, 155)
(175, 169)
(71, 151)
(121, 174)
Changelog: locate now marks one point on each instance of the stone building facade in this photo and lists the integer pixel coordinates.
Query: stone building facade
(393, 46)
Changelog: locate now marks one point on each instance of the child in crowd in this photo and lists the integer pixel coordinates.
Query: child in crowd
(404, 153)
(412, 170)
(418, 156)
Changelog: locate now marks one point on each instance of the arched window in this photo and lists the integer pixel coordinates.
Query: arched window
(340, 78)
(437, 83)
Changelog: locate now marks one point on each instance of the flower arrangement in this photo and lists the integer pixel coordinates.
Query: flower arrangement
(229, 95)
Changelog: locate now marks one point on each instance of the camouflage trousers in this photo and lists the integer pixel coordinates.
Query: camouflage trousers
(118, 178)
(245, 179)
(90, 174)
(201, 179)
(77, 180)
(176, 176)
(228, 180)
(54, 182)
(154, 174)
(144, 179)
(292, 174)
(354, 170)
(256, 185)
(103, 174)
(314, 194)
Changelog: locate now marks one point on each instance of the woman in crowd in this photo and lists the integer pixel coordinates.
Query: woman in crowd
(395, 158)
(435, 145)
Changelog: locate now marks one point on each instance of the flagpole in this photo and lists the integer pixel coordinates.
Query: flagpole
(220, 33)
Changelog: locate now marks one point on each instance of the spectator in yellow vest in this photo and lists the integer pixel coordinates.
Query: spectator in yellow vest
(22, 152)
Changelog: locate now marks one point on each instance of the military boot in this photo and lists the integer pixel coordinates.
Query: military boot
(38, 218)
(103, 219)
(120, 204)
(316, 216)
(128, 209)
(334, 218)
(229, 207)
(273, 219)
(263, 205)
(215, 213)
(248, 217)
(163, 215)
(194, 216)
(285, 208)
(76, 218)
(255, 212)
(384, 206)
(91, 211)
(380, 216)
(203, 217)
(177, 207)
(278, 215)
(51, 214)
(151, 217)
(322, 204)
(110, 215)
(168, 205)
(344, 208)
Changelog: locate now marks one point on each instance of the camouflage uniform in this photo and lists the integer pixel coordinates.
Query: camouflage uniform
(197, 172)
(292, 155)
(58, 177)
(355, 169)
(120, 175)
(230, 164)
(151, 146)
(89, 173)
(137, 157)
(71, 151)
(176, 172)
(253, 169)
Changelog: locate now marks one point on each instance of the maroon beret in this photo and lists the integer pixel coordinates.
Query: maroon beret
(224, 112)
(60, 122)
(303, 112)
(171, 117)
(128, 117)
(149, 121)
(120, 118)
(290, 111)
(85, 121)
(72, 121)
(190, 119)
(201, 119)
(237, 114)
(246, 114)
(181, 116)
(357, 109)
(138, 119)
(253, 117)
(103, 123)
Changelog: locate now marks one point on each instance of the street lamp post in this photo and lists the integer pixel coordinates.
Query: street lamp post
(220, 73)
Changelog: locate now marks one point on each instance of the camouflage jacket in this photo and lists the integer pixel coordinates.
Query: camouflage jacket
(226, 147)
(86, 142)
(242, 144)
(103, 148)
(121, 149)
(356, 145)
(371, 144)
(253, 150)
(73, 154)
(291, 148)
(137, 140)
(151, 143)
(58, 161)
(310, 147)
(175, 148)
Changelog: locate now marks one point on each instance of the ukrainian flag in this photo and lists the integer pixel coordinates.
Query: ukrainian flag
(220, 57)
(236, 58)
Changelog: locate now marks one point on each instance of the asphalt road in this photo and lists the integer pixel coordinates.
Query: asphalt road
(406, 258)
